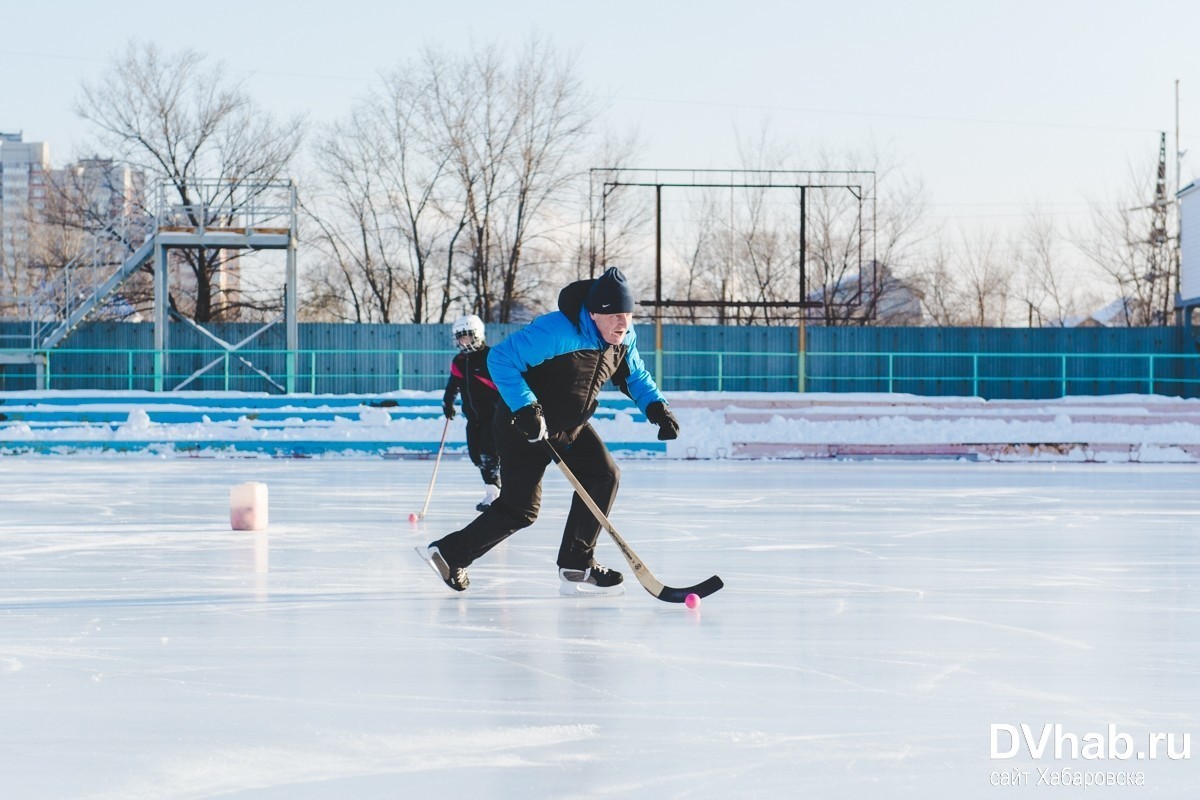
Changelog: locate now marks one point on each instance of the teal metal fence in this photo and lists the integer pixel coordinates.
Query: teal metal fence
(1007, 375)
(1012, 375)
(318, 371)
(366, 359)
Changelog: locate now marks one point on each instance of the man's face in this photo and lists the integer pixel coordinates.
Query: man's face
(612, 327)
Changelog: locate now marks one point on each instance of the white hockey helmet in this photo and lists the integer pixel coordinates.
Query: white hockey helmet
(468, 333)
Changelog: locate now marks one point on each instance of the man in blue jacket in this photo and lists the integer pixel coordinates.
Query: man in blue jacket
(549, 375)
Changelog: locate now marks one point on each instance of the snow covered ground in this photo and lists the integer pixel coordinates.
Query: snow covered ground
(1120, 428)
(879, 617)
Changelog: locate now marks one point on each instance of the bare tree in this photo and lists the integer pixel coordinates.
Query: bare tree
(449, 187)
(31, 264)
(970, 284)
(554, 119)
(900, 230)
(939, 289)
(361, 228)
(737, 251)
(835, 249)
(986, 279)
(743, 251)
(514, 133)
(603, 225)
(1046, 289)
(1132, 249)
(97, 205)
(862, 253)
(708, 272)
(749, 252)
(185, 125)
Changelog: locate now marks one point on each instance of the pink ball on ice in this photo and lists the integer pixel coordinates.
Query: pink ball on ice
(413, 518)
(692, 601)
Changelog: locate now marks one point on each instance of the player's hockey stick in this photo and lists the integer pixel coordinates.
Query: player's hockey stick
(652, 584)
(437, 461)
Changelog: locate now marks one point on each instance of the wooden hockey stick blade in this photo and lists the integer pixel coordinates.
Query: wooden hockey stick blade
(651, 584)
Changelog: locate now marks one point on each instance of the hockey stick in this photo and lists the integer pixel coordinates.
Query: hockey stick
(651, 584)
(437, 461)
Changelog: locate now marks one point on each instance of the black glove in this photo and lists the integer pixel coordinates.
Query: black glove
(530, 422)
(668, 426)
(448, 409)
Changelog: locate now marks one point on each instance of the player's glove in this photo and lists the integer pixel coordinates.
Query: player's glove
(530, 422)
(448, 409)
(668, 426)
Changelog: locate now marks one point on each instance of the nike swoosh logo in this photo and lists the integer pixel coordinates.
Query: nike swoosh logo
(605, 305)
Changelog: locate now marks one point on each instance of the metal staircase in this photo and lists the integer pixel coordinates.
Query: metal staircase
(80, 301)
(218, 214)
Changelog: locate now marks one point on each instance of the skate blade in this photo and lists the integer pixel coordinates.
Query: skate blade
(424, 554)
(589, 590)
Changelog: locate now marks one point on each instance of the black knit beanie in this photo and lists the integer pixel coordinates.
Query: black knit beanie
(609, 294)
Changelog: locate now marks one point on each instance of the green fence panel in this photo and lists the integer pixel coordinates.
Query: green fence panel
(1018, 363)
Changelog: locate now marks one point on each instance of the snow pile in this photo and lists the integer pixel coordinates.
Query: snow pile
(713, 425)
(1111, 428)
(137, 424)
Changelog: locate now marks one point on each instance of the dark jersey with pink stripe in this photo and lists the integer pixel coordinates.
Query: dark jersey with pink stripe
(469, 377)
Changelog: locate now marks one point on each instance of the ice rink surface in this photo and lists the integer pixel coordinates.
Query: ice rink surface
(878, 618)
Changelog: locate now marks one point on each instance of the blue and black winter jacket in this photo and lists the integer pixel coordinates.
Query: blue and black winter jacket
(560, 361)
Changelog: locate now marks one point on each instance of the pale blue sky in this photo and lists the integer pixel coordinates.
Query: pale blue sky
(995, 106)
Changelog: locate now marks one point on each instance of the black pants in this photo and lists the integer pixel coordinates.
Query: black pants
(522, 465)
(481, 446)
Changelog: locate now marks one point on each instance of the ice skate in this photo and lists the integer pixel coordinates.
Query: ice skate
(595, 580)
(454, 577)
(492, 493)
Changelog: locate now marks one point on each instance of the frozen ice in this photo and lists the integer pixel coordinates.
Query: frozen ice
(878, 618)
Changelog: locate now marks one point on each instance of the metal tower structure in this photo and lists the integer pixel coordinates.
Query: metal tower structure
(234, 216)
(800, 184)
(1162, 261)
(226, 215)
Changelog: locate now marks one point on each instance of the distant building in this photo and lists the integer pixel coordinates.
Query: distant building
(1112, 315)
(89, 214)
(24, 170)
(873, 295)
(104, 189)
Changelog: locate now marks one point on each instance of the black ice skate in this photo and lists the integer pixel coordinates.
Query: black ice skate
(455, 577)
(492, 492)
(593, 580)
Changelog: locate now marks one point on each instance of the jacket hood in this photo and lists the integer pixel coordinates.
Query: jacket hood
(570, 300)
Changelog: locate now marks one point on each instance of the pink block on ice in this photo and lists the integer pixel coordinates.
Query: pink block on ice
(248, 507)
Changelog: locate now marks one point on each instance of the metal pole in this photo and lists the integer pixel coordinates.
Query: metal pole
(1176, 266)
(1178, 151)
(802, 338)
(658, 323)
(803, 367)
(289, 299)
(161, 301)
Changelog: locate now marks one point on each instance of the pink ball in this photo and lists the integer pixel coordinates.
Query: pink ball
(692, 601)
(413, 517)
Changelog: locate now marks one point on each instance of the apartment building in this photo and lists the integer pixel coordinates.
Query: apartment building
(24, 173)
